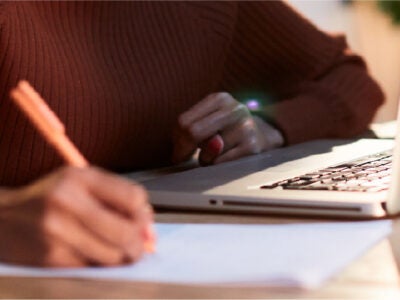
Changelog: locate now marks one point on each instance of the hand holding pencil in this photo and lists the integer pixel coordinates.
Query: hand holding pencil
(79, 215)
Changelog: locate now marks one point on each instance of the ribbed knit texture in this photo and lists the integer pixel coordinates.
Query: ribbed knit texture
(119, 74)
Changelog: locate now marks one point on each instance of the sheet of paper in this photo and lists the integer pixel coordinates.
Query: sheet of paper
(299, 255)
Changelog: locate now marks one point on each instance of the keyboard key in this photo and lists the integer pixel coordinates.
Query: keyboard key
(370, 173)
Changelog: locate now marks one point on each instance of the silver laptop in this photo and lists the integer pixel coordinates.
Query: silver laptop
(347, 178)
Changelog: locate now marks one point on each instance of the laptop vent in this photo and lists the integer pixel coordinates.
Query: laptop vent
(285, 205)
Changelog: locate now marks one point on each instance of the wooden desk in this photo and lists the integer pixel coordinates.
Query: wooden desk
(373, 276)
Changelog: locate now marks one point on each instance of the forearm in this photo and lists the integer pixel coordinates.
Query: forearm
(339, 105)
(308, 83)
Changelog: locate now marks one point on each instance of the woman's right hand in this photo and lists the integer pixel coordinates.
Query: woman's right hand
(75, 217)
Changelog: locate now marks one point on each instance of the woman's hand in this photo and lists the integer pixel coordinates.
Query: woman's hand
(75, 217)
(223, 129)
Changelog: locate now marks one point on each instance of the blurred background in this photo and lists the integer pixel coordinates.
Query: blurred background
(372, 29)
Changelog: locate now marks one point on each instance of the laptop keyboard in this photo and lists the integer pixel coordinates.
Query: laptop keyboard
(367, 174)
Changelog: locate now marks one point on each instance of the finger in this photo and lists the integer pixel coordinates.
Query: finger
(80, 240)
(218, 121)
(60, 255)
(148, 232)
(184, 147)
(241, 133)
(245, 133)
(184, 143)
(213, 145)
(110, 226)
(135, 200)
(232, 154)
(208, 105)
(116, 192)
(205, 115)
(211, 149)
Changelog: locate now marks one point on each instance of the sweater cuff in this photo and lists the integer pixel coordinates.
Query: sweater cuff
(305, 118)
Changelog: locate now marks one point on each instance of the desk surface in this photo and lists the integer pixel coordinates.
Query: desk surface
(373, 276)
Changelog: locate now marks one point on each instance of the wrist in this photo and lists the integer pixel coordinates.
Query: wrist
(274, 138)
(10, 197)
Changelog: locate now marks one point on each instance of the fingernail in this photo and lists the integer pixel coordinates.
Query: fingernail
(149, 239)
(215, 145)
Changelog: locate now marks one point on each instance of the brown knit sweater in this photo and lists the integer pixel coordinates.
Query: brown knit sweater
(119, 73)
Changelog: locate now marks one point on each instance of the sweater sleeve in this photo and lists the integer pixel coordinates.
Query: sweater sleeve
(310, 84)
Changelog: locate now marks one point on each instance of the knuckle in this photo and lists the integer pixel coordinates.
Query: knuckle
(91, 174)
(60, 256)
(69, 173)
(223, 95)
(183, 121)
(127, 236)
(66, 178)
(112, 257)
(59, 193)
(244, 133)
(137, 253)
(49, 222)
(54, 195)
(135, 250)
(253, 146)
(139, 193)
(100, 252)
(224, 99)
(248, 127)
(136, 194)
(136, 197)
(250, 132)
(195, 131)
(195, 128)
(242, 110)
(240, 114)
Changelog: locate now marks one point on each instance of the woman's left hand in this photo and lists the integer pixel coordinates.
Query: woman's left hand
(223, 129)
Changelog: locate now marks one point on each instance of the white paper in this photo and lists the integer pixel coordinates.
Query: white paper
(299, 255)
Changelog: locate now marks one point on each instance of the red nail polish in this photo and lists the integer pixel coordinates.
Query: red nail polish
(215, 145)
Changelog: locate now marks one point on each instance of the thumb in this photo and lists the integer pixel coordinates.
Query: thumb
(183, 149)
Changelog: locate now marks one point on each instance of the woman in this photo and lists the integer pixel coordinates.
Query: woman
(141, 84)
